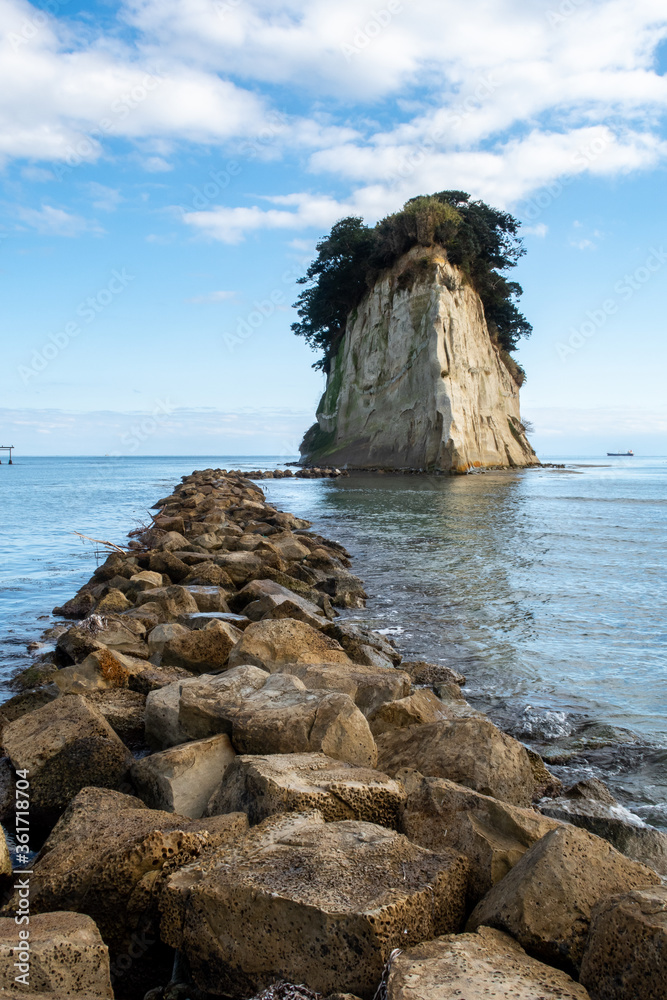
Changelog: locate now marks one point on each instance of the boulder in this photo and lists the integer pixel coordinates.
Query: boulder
(607, 818)
(626, 955)
(545, 901)
(207, 705)
(207, 574)
(79, 606)
(281, 783)
(302, 900)
(172, 601)
(105, 855)
(419, 708)
(169, 564)
(65, 954)
(209, 598)
(469, 751)
(183, 778)
(27, 701)
(162, 634)
(546, 783)
(113, 602)
(243, 566)
(363, 645)
(120, 634)
(65, 746)
(276, 714)
(493, 835)
(488, 964)
(171, 541)
(289, 546)
(162, 715)
(124, 711)
(369, 687)
(428, 674)
(146, 580)
(101, 669)
(202, 650)
(271, 643)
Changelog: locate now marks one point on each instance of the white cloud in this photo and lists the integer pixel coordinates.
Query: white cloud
(105, 198)
(213, 297)
(539, 229)
(52, 221)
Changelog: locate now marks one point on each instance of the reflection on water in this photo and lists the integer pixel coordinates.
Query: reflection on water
(547, 589)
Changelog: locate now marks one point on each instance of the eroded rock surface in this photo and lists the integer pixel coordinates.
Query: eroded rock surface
(308, 901)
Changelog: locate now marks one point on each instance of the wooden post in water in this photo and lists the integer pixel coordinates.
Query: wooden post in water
(9, 448)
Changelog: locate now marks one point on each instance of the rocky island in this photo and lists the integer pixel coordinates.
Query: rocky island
(419, 370)
(232, 791)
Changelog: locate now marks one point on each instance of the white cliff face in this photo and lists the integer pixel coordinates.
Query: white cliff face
(417, 382)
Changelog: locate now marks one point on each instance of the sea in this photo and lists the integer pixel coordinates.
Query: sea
(546, 587)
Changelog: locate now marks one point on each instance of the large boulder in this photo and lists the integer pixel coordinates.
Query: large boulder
(363, 645)
(65, 746)
(159, 636)
(60, 953)
(308, 901)
(626, 955)
(124, 710)
(202, 650)
(209, 598)
(118, 633)
(469, 751)
(100, 670)
(263, 786)
(545, 901)
(414, 710)
(162, 713)
(105, 856)
(589, 805)
(488, 964)
(270, 643)
(172, 601)
(183, 778)
(265, 714)
(492, 834)
(368, 687)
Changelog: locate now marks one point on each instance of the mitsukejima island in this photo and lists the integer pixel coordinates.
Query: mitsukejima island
(417, 322)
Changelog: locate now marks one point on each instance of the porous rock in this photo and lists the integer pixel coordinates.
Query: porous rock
(421, 707)
(469, 751)
(369, 687)
(263, 786)
(172, 601)
(492, 834)
(545, 901)
(429, 674)
(202, 650)
(106, 852)
(65, 745)
(608, 819)
(487, 965)
(269, 643)
(626, 955)
(182, 779)
(308, 901)
(66, 956)
(276, 714)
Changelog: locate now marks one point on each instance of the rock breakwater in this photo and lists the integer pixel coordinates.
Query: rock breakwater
(232, 786)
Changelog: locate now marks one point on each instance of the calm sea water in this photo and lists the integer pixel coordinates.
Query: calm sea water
(546, 588)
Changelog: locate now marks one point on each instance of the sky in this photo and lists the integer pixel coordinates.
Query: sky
(167, 167)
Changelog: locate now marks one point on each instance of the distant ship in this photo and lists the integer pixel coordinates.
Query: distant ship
(620, 454)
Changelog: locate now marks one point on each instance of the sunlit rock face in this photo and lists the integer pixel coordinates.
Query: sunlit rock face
(417, 381)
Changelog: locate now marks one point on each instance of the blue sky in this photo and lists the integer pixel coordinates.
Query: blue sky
(168, 166)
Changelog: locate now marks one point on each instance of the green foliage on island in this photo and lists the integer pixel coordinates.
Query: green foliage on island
(479, 240)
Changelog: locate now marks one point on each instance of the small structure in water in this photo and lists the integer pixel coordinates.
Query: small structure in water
(9, 448)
